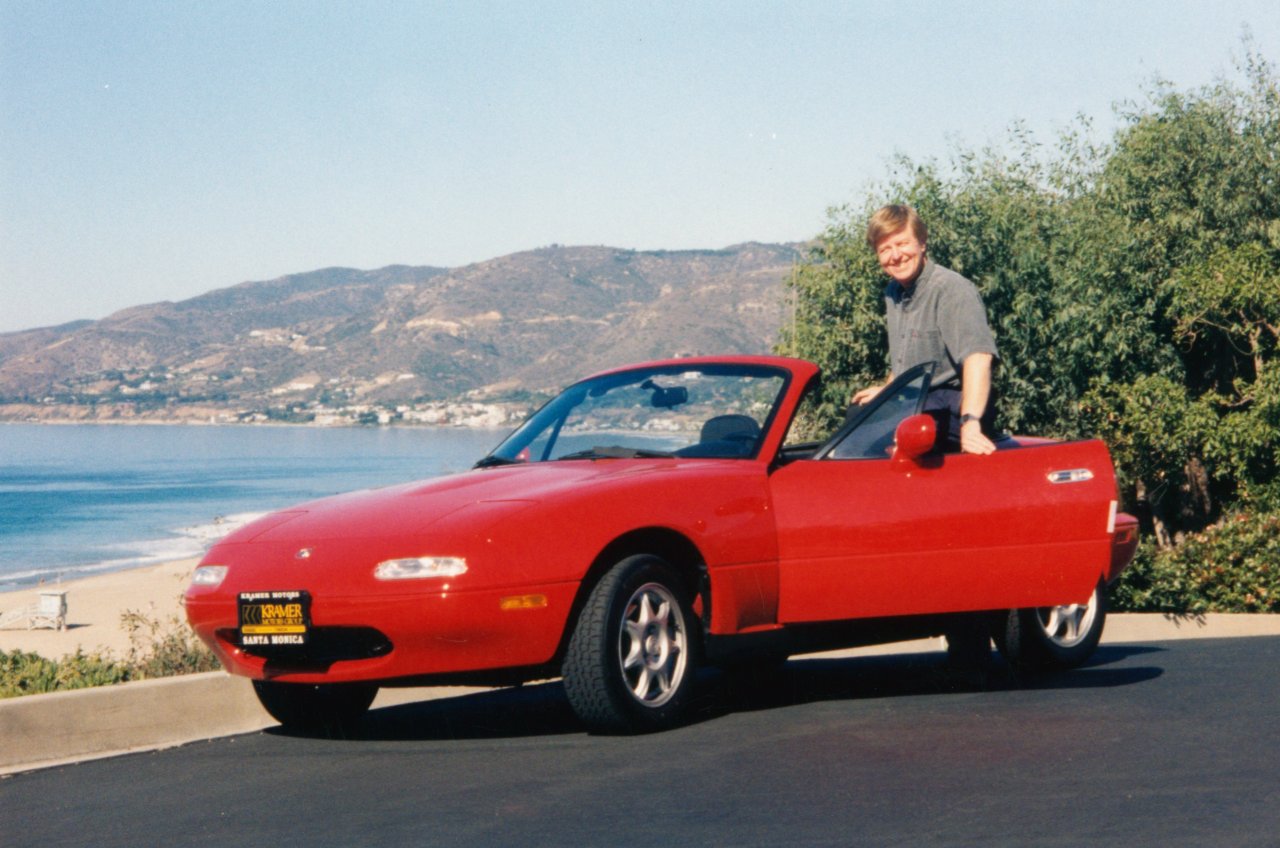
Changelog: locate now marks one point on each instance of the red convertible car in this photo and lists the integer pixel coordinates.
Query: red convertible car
(654, 518)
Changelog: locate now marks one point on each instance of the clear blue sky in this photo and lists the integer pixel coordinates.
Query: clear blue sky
(157, 150)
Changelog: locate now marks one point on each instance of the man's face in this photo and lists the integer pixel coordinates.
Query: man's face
(901, 255)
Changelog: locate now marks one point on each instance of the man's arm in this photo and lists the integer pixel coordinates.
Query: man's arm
(975, 392)
(869, 394)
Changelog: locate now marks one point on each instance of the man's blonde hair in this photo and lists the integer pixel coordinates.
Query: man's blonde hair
(890, 219)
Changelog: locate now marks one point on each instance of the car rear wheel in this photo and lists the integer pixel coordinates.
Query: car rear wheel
(1054, 637)
(630, 662)
(326, 709)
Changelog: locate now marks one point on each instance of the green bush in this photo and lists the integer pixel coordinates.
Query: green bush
(156, 649)
(81, 670)
(1233, 566)
(23, 673)
(166, 649)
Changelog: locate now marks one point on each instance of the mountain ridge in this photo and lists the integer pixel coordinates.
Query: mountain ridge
(525, 323)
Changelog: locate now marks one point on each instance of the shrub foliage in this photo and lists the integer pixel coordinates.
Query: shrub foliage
(156, 649)
(1233, 566)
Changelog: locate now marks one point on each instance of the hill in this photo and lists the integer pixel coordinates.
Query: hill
(341, 342)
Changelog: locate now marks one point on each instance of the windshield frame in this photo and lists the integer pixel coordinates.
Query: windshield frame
(553, 414)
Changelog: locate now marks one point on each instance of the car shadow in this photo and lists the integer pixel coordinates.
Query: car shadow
(534, 709)
(541, 709)
(809, 680)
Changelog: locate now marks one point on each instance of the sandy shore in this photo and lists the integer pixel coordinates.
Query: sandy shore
(94, 608)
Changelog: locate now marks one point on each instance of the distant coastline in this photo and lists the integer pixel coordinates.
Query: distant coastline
(472, 415)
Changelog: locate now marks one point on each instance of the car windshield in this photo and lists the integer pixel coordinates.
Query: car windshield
(716, 411)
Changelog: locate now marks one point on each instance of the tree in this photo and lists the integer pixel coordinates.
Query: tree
(1193, 184)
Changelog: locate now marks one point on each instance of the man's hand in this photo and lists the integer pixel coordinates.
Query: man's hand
(972, 439)
(866, 395)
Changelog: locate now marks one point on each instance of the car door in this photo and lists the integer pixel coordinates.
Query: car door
(861, 534)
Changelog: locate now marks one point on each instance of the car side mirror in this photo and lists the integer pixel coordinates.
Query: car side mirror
(914, 438)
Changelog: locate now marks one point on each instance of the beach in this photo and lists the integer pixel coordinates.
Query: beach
(95, 606)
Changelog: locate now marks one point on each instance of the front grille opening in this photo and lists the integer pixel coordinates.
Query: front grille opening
(324, 645)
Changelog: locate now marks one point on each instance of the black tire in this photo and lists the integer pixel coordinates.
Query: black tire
(316, 709)
(630, 663)
(1053, 637)
(968, 650)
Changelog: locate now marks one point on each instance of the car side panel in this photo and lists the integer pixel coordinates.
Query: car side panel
(869, 538)
(721, 506)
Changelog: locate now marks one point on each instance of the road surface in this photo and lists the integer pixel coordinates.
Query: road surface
(1169, 744)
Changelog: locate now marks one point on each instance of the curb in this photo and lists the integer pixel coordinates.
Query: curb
(84, 724)
(60, 728)
(40, 731)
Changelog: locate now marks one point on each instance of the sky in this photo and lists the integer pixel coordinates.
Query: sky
(154, 151)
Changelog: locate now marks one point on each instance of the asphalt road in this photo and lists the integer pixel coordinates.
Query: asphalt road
(1169, 744)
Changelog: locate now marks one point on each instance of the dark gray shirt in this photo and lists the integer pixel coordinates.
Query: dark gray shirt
(939, 319)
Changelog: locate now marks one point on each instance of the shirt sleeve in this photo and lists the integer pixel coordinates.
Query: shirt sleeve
(962, 319)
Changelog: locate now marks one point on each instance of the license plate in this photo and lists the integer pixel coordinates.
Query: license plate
(274, 618)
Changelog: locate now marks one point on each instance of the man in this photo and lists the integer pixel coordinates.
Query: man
(934, 315)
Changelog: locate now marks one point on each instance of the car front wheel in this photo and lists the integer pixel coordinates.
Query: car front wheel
(315, 709)
(630, 662)
(1054, 637)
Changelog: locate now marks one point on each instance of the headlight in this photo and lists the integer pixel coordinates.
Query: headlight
(419, 568)
(209, 575)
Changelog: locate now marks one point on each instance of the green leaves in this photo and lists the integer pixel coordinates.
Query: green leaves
(838, 317)
(1228, 305)
(1231, 567)
(156, 649)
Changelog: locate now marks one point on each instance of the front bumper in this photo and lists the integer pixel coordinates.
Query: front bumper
(383, 637)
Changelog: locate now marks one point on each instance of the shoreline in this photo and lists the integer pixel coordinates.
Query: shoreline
(197, 422)
(95, 605)
(88, 498)
(191, 542)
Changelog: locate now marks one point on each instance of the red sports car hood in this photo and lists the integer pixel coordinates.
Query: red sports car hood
(409, 509)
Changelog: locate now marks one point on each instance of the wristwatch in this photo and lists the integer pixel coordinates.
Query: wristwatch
(966, 418)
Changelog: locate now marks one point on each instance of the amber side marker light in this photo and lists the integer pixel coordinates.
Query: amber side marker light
(522, 602)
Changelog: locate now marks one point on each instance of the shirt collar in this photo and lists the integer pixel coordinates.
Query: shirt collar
(903, 293)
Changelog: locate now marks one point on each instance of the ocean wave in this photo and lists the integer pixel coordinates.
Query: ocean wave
(221, 525)
(185, 543)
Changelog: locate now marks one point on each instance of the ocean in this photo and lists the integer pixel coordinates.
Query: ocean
(82, 499)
